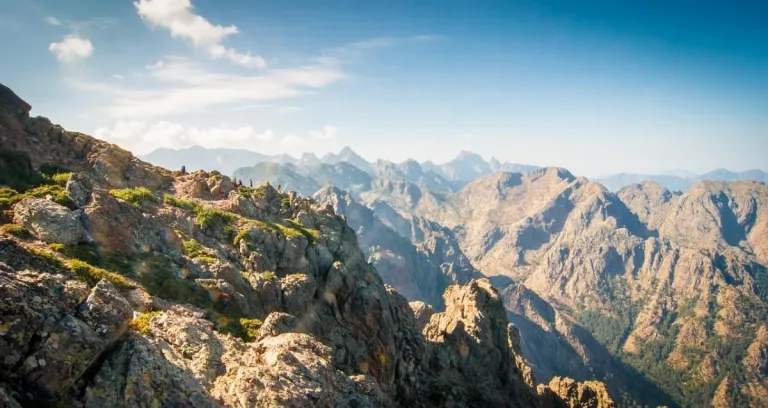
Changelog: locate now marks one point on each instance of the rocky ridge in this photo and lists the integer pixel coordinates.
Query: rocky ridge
(187, 290)
(644, 282)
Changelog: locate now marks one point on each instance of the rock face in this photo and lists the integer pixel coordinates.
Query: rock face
(49, 221)
(219, 295)
(565, 392)
(477, 342)
(416, 270)
(641, 277)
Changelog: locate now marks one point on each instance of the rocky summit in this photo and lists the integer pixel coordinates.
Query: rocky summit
(128, 285)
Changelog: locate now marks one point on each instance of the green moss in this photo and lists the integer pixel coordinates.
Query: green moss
(136, 196)
(91, 275)
(15, 230)
(141, 323)
(286, 201)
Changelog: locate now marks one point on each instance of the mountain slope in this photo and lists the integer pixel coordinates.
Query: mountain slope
(124, 285)
(672, 285)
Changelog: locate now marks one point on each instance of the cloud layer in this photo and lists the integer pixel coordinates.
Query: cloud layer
(182, 87)
(72, 48)
(179, 18)
(142, 137)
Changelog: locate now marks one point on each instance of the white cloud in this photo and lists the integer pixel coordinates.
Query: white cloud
(141, 137)
(360, 47)
(179, 18)
(118, 77)
(72, 48)
(183, 87)
(52, 21)
(328, 132)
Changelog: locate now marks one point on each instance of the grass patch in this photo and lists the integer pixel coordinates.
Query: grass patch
(15, 230)
(195, 250)
(85, 253)
(61, 178)
(204, 216)
(135, 196)
(141, 323)
(91, 275)
(292, 230)
(188, 205)
(49, 257)
(9, 196)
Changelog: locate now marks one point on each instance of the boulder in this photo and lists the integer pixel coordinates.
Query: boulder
(49, 221)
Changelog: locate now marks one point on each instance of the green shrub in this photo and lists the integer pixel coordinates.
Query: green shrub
(141, 323)
(136, 196)
(91, 275)
(16, 171)
(207, 216)
(15, 230)
(251, 328)
(194, 249)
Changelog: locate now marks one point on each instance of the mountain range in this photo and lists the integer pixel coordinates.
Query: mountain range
(395, 284)
(658, 293)
(453, 175)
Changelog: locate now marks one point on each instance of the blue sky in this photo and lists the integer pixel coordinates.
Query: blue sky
(595, 86)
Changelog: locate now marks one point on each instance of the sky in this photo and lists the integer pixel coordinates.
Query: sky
(598, 87)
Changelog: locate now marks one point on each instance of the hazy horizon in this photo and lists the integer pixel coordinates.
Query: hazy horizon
(598, 88)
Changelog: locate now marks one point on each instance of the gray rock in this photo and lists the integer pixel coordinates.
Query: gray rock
(79, 189)
(49, 221)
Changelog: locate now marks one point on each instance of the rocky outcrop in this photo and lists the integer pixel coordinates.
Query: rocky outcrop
(478, 344)
(49, 221)
(565, 392)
